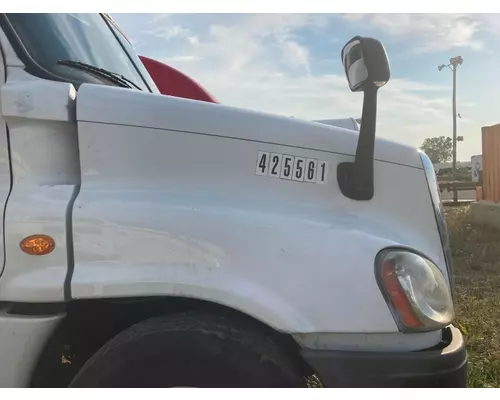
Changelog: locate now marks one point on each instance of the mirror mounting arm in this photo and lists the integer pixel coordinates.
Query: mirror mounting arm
(355, 179)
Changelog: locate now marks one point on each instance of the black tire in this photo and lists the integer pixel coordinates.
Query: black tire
(190, 350)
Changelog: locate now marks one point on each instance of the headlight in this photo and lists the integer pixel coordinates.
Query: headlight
(415, 289)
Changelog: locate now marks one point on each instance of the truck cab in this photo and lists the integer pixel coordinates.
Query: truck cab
(158, 241)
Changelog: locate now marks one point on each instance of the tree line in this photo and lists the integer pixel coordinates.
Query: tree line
(439, 149)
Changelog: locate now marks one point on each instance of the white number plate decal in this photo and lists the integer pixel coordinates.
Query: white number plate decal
(286, 166)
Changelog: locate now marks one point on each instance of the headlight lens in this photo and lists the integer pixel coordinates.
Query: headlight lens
(416, 290)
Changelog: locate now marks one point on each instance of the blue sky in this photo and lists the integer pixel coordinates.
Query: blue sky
(289, 64)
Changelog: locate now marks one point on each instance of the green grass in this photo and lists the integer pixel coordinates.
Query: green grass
(476, 256)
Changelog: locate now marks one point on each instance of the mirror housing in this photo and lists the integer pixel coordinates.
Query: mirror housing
(365, 63)
(367, 69)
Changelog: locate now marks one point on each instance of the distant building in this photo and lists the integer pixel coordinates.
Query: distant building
(477, 167)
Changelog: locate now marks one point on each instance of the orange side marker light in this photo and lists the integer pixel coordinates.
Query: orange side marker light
(37, 245)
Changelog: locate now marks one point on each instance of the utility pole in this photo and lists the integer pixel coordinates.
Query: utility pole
(454, 63)
(454, 171)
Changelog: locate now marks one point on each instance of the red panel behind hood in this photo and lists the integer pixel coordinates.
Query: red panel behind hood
(174, 83)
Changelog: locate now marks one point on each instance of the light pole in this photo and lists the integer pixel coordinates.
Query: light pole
(454, 63)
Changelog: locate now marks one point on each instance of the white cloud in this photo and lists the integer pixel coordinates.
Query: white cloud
(163, 27)
(159, 18)
(183, 59)
(435, 32)
(296, 55)
(193, 40)
(248, 38)
(170, 32)
(412, 86)
(261, 62)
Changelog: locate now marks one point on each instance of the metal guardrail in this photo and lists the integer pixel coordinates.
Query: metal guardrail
(458, 203)
(457, 185)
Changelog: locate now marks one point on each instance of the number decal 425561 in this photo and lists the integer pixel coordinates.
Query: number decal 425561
(294, 168)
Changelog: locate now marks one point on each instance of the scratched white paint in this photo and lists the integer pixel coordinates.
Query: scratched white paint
(40, 116)
(173, 113)
(171, 204)
(4, 165)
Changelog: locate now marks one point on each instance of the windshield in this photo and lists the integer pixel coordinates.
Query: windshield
(87, 38)
(131, 51)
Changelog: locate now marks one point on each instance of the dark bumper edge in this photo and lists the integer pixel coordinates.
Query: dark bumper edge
(443, 366)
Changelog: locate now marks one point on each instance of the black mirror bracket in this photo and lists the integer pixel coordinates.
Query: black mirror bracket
(356, 179)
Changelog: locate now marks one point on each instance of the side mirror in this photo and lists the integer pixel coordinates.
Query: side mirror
(365, 63)
(367, 69)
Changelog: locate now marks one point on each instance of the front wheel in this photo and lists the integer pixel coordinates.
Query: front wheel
(190, 350)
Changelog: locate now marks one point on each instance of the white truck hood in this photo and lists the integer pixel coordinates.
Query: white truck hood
(111, 105)
(173, 201)
(348, 123)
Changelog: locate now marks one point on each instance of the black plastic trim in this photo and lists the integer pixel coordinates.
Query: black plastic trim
(34, 309)
(69, 243)
(356, 179)
(11, 177)
(351, 186)
(442, 366)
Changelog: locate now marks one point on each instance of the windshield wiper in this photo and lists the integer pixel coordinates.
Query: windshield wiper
(112, 76)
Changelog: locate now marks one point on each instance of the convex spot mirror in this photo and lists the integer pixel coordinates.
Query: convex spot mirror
(365, 63)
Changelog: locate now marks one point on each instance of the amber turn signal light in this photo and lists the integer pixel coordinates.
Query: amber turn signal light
(37, 245)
